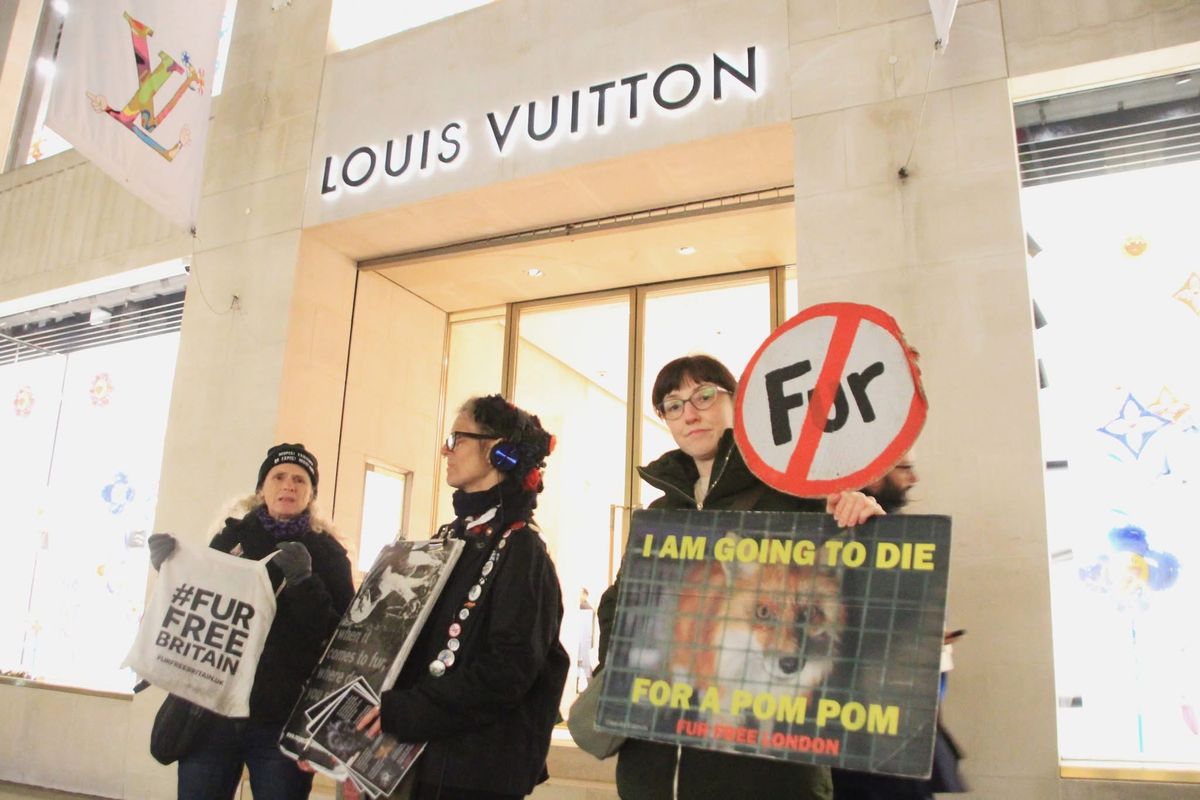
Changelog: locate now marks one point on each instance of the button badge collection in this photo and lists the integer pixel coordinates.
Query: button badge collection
(446, 658)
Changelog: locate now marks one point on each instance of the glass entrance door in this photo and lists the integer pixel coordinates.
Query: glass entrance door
(572, 369)
(586, 366)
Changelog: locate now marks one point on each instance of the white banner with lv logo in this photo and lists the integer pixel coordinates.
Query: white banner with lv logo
(132, 91)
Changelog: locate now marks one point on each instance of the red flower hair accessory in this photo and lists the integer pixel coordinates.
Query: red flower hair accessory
(533, 480)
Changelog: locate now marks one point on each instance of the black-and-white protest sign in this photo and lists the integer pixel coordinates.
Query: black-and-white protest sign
(363, 659)
(831, 401)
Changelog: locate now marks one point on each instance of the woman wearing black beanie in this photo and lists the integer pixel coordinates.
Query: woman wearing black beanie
(313, 570)
(483, 681)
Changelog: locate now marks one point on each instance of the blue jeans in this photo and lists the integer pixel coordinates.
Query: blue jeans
(213, 771)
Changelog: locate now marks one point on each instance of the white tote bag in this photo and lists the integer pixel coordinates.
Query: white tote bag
(204, 629)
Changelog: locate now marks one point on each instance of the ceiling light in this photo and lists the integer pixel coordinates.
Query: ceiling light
(60, 7)
(45, 68)
(686, 250)
(1180, 81)
(534, 272)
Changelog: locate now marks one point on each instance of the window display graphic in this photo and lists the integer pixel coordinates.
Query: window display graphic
(363, 659)
(23, 402)
(1116, 283)
(1134, 426)
(776, 635)
(83, 451)
(1189, 293)
(102, 389)
(1132, 570)
(118, 494)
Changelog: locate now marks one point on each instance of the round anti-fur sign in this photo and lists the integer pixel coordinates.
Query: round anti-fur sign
(830, 402)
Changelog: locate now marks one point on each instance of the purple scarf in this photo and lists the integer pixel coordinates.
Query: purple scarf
(282, 529)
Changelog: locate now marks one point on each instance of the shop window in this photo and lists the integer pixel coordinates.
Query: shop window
(1109, 201)
(385, 501)
(33, 140)
(353, 23)
(86, 388)
(474, 366)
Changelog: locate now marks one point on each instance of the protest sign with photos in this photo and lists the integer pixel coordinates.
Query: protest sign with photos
(779, 635)
(363, 659)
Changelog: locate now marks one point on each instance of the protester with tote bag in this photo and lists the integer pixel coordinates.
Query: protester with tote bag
(483, 681)
(311, 572)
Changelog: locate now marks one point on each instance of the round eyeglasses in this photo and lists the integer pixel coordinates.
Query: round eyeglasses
(702, 398)
(452, 439)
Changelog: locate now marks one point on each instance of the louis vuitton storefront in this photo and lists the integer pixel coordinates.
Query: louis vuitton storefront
(551, 201)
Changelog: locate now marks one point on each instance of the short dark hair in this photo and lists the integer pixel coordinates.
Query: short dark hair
(700, 368)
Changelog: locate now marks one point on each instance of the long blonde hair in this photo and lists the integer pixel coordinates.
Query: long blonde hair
(239, 507)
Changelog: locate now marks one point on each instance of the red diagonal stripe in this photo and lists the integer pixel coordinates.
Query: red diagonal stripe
(824, 392)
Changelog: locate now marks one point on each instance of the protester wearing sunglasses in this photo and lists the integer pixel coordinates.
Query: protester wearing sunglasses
(483, 681)
(694, 396)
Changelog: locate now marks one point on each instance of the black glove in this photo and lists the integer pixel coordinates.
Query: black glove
(161, 546)
(293, 561)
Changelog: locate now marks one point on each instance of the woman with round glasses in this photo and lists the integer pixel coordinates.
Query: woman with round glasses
(694, 396)
(483, 681)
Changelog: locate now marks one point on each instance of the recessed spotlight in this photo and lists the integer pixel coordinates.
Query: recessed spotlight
(534, 272)
(45, 68)
(60, 7)
(687, 250)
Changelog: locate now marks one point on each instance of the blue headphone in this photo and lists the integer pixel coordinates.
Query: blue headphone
(505, 455)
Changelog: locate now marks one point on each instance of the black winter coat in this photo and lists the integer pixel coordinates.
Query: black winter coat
(306, 613)
(646, 770)
(488, 719)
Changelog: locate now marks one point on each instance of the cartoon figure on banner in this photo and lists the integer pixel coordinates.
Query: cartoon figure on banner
(1134, 425)
(23, 402)
(140, 108)
(118, 494)
(1132, 571)
(774, 626)
(102, 389)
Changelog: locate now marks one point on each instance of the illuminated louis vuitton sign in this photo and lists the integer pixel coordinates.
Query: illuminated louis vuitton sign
(629, 101)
